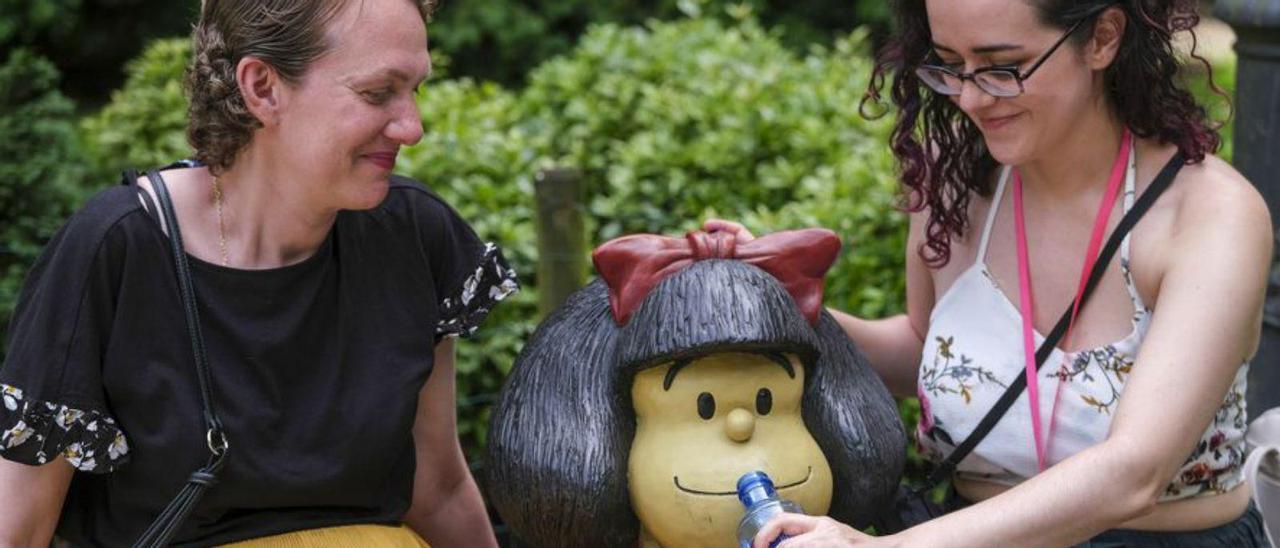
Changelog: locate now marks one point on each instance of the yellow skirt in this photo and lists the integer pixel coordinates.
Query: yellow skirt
(370, 536)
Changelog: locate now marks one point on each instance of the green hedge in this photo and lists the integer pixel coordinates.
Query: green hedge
(90, 40)
(672, 123)
(41, 178)
(25, 21)
(502, 41)
(145, 123)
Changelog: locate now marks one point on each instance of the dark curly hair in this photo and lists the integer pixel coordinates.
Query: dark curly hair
(286, 34)
(940, 151)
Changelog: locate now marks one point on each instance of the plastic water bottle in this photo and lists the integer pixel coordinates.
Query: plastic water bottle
(756, 492)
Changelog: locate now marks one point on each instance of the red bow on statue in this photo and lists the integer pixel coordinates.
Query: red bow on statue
(632, 265)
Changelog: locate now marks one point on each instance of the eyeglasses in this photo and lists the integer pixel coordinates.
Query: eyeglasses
(998, 81)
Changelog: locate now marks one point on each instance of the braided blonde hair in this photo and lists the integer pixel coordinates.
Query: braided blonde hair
(286, 34)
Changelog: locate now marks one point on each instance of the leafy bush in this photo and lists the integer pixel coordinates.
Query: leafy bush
(27, 20)
(144, 124)
(679, 121)
(41, 175)
(90, 40)
(671, 123)
(502, 41)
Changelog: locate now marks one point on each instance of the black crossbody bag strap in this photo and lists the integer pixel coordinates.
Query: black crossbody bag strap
(171, 518)
(1158, 186)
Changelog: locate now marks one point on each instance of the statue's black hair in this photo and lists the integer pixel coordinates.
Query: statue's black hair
(561, 431)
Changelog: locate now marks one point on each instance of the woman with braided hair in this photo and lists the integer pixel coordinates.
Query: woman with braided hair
(328, 293)
(1026, 130)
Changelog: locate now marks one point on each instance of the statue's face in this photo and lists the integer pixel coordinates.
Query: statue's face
(702, 427)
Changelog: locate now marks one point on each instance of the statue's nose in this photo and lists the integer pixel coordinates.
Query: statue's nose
(740, 425)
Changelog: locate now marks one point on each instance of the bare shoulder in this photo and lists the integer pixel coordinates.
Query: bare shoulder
(144, 182)
(180, 182)
(1218, 226)
(1217, 202)
(173, 178)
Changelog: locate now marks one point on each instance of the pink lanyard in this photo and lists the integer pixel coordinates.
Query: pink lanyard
(1027, 304)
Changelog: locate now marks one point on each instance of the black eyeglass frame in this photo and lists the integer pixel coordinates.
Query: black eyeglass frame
(1018, 76)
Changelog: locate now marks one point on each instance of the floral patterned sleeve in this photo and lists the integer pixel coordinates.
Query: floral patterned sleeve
(470, 276)
(492, 280)
(34, 432)
(52, 399)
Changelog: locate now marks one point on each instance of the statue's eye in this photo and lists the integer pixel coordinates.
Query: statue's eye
(706, 405)
(764, 401)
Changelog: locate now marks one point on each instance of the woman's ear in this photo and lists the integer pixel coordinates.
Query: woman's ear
(260, 86)
(1108, 33)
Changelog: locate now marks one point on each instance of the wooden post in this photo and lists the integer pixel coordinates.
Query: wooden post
(562, 239)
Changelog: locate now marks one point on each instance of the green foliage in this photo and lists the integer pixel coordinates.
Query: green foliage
(90, 40)
(741, 127)
(144, 124)
(25, 20)
(502, 41)
(42, 179)
(671, 123)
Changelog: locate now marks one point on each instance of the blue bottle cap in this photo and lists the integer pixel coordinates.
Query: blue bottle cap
(754, 487)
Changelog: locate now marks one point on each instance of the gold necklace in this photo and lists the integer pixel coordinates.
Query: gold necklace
(222, 230)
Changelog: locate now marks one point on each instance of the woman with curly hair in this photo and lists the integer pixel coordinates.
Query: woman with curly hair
(327, 292)
(1025, 131)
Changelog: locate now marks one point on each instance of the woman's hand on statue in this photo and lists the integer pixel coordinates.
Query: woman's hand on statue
(803, 531)
(739, 232)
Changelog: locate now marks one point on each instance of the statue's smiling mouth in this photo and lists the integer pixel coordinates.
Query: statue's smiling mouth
(676, 479)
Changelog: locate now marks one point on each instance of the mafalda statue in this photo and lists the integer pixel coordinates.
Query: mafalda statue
(635, 407)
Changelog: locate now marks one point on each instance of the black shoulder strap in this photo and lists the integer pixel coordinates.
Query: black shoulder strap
(130, 178)
(1158, 186)
(167, 523)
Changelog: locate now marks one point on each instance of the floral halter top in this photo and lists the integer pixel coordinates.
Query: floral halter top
(973, 351)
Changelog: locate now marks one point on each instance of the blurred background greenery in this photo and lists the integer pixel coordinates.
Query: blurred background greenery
(675, 110)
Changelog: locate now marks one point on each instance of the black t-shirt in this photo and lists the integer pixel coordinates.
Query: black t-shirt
(316, 367)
